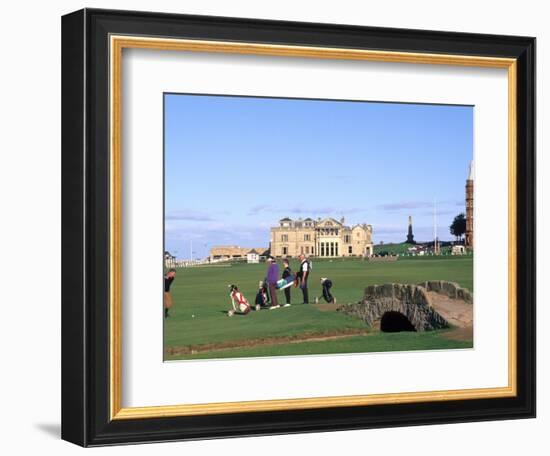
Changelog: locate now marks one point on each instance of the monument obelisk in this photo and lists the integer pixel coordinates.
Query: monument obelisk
(410, 237)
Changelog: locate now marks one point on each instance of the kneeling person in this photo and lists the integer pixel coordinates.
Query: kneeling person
(238, 301)
(327, 285)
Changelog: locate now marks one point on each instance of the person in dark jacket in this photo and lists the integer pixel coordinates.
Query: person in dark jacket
(327, 285)
(303, 275)
(262, 298)
(287, 272)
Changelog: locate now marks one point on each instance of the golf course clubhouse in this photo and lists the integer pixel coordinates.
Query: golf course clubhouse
(320, 238)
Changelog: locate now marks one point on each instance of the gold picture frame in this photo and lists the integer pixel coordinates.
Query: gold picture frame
(117, 45)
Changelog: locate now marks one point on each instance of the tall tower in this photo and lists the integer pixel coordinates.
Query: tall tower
(469, 235)
(410, 237)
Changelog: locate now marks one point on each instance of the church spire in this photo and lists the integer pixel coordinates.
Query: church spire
(471, 171)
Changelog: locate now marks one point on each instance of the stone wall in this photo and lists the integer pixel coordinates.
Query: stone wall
(450, 289)
(410, 300)
(233, 251)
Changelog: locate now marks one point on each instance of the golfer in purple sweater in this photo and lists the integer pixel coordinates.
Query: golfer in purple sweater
(272, 277)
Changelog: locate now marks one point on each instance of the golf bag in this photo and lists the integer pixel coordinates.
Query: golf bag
(262, 297)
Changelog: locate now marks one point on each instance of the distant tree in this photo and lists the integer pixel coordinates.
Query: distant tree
(458, 227)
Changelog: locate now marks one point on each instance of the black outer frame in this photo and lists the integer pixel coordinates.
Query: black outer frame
(85, 227)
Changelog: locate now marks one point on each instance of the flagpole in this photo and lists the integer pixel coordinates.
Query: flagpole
(435, 227)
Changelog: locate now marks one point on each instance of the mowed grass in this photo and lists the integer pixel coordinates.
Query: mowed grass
(373, 342)
(199, 314)
(393, 248)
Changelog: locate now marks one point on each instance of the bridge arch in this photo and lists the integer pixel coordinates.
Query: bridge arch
(411, 301)
(393, 321)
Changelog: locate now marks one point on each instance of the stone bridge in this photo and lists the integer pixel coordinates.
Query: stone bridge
(451, 289)
(409, 307)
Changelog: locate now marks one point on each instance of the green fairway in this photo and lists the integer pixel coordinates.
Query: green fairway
(393, 249)
(198, 317)
(373, 342)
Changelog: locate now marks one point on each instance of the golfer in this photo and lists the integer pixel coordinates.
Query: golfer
(287, 272)
(168, 279)
(238, 301)
(272, 277)
(304, 276)
(326, 284)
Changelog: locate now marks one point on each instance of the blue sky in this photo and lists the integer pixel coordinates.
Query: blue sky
(234, 166)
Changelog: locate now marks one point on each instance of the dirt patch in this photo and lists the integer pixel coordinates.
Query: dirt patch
(458, 313)
(325, 307)
(461, 334)
(455, 311)
(299, 338)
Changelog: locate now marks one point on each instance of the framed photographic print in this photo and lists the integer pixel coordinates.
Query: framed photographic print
(278, 227)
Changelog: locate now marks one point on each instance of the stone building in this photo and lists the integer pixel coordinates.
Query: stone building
(320, 238)
(226, 252)
(469, 235)
(253, 256)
